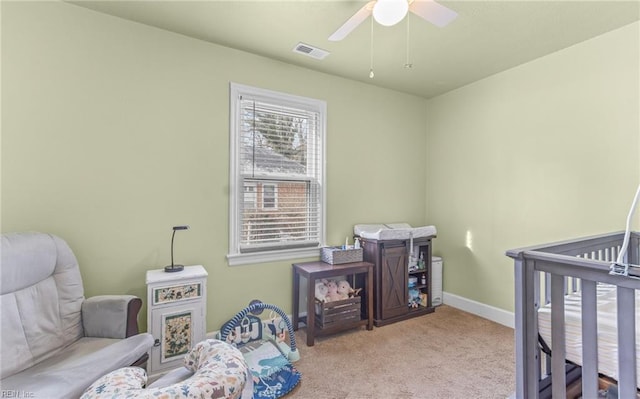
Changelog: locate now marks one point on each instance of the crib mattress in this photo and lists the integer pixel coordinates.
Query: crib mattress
(607, 329)
(393, 231)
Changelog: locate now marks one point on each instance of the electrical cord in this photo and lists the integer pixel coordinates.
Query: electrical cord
(627, 232)
(620, 266)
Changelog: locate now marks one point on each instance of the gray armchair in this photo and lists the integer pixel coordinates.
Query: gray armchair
(53, 342)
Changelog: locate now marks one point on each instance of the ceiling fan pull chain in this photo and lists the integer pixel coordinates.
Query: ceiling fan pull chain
(371, 74)
(408, 64)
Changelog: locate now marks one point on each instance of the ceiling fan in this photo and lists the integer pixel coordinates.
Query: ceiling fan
(390, 12)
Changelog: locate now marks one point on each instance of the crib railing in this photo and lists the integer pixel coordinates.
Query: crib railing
(546, 273)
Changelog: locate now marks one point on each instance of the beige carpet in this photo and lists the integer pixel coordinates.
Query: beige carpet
(447, 354)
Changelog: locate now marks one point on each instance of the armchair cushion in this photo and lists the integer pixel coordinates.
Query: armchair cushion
(69, 373)
(43, 348)
(41, 298)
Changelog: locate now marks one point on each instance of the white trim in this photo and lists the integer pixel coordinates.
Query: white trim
(497, 315)
(272, 256)
(233, 168)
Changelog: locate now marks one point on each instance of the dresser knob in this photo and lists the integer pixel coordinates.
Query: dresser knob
(156, 343)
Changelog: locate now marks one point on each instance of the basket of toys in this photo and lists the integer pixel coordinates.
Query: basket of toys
(336, 303)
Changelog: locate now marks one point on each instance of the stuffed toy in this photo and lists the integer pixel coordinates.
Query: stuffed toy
(414, 298)
(332, 294)
(321, 291)
(344, 289)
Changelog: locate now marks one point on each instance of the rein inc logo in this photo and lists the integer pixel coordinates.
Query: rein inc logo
(14, 393)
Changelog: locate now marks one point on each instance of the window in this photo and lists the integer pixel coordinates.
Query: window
(269, 196)
(276, 175)
(250, 199)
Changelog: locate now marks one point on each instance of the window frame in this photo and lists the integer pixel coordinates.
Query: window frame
(235, 256)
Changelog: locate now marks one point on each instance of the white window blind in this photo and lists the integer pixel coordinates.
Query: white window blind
(279, 144)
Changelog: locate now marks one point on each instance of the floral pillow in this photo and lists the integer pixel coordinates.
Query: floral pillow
(220, 372)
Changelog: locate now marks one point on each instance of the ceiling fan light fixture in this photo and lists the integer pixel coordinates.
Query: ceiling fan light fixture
(390, 12)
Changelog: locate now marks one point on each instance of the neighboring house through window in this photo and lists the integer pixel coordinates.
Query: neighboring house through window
(269, 196)
(277, 175)
(250, 199)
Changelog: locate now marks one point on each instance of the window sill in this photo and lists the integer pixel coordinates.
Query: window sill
(272, 256)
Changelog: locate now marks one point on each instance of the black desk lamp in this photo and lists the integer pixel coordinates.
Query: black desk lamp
(175, 268)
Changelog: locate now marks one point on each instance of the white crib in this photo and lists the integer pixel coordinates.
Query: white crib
(548, 275)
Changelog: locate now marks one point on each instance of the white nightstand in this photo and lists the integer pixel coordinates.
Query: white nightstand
(176, 314)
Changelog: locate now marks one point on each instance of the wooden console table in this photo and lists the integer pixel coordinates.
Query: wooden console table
(313, 271)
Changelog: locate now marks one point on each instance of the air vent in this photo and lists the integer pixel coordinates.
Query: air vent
(310, 51)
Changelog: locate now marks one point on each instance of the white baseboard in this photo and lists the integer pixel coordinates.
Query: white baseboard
(497, 315)
(492, 313)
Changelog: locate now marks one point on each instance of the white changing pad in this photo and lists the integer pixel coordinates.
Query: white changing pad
(393, 231)
(607, 329)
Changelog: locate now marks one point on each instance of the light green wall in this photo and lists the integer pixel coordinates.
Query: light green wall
(112, 132)
(545, 151)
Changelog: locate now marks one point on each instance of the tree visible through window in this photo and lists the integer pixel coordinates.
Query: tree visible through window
(277, 169)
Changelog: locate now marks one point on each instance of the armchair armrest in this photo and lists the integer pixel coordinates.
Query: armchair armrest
(111, 316)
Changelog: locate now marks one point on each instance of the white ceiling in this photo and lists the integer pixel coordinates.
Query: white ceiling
(486, 38)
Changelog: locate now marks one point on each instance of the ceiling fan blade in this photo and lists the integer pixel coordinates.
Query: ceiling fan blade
(433, 12)
(353, 22)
